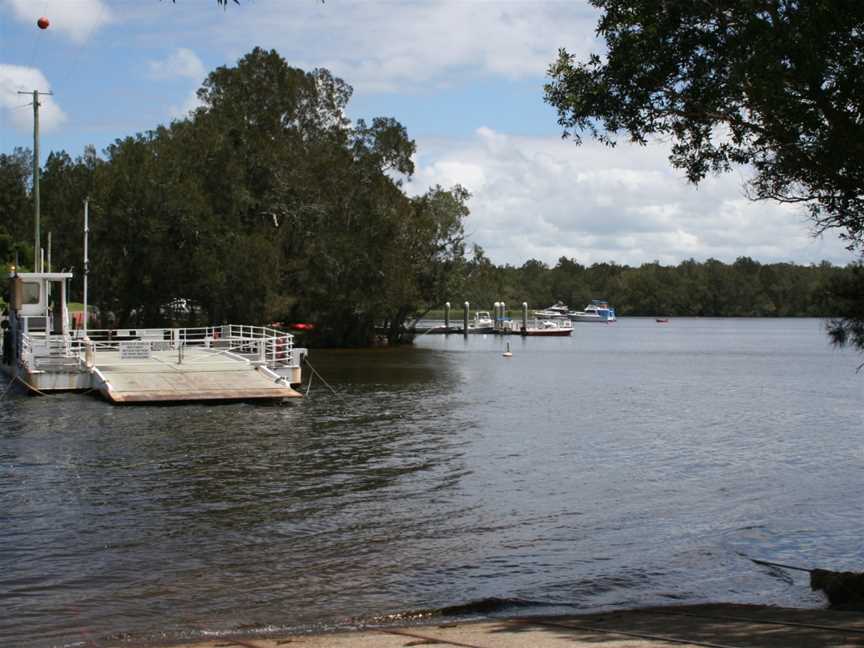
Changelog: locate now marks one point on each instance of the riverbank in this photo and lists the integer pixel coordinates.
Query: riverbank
(717, 625)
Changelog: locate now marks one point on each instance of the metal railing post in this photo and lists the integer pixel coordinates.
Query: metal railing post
(89, 353)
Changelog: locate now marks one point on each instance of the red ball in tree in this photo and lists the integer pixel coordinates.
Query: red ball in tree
(43, 23)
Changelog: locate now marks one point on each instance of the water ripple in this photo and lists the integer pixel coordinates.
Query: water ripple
(629, 465)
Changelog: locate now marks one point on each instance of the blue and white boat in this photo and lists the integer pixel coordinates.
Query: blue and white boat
(597, 311)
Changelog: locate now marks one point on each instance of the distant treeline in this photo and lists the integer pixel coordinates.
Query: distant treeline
(745, 288)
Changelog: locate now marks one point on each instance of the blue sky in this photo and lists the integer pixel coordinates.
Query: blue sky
(464, 76)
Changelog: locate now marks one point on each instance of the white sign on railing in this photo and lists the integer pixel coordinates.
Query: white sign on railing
(135, 350)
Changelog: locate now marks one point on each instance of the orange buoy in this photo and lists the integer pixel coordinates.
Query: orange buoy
(43, 23)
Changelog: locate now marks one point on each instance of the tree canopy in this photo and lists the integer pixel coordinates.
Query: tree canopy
(772, 84)
(265, 204)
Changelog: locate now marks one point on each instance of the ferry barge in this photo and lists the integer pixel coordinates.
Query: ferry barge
(41, 352)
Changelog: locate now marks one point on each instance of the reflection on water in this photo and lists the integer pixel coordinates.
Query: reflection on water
(630, 464)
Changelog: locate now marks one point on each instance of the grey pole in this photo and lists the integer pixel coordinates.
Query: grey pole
(38, 263)
(36, 168)
(465, 319)
(86, 258)
(524, 317)
(447, 318)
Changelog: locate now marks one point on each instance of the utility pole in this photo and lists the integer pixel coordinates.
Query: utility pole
(37, 250)
(86, 257)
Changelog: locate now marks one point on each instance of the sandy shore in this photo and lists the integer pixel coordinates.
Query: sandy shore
(714, 625)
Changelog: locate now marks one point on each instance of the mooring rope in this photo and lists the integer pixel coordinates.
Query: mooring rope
(29, 386)
(430, 329)
(23, 382)
(321, 378)
(6, 391)
(775, 564)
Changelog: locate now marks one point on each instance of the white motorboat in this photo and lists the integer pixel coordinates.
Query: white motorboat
(597, 311)
(558, 309)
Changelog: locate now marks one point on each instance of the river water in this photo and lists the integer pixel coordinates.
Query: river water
(631, 464)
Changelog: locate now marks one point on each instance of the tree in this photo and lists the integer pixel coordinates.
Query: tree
(266, 204)
(16, 207)
(281, 163)
(773, 84)
(847, 289)
(65, 184)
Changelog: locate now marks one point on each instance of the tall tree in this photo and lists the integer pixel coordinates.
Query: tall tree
(16, 207)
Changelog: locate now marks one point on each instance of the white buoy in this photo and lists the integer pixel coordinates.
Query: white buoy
(507, 353)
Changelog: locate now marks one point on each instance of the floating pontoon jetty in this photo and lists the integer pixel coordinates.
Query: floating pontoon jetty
(140, 365)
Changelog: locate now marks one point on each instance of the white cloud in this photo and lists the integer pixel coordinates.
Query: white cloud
(191, 103)
(183, 63)
(14, 79)
(76, 19)
(395, 45)
(545, 198)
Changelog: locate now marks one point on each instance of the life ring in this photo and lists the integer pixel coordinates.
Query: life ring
(280, 348)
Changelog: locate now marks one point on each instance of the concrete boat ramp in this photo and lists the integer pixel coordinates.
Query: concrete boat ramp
(712, 626)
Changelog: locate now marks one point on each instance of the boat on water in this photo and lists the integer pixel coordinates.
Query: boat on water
(559, 326)
(41, 351)
(558, 309)
(483, 323)
(597, 311)
(662, 320)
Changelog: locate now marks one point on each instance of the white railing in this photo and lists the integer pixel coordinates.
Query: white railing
(259, 345)
(41, 346)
